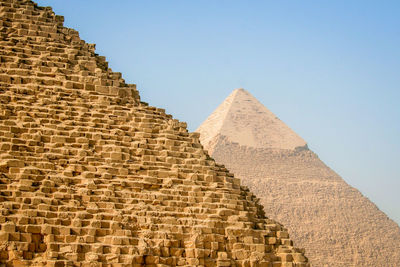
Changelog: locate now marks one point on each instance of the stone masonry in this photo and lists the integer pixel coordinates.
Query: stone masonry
(91, 176)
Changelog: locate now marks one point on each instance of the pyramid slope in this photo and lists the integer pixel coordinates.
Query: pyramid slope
(91, 176)
(244, 120)
(213, 124)
(336, 224)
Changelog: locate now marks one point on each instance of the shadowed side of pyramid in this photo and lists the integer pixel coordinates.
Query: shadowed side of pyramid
(336, 224)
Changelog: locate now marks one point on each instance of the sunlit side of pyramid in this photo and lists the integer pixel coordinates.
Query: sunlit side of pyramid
(336, 224)
(91, 176)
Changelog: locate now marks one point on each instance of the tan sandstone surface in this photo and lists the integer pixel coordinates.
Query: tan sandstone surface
(334, 222)
(91, 176)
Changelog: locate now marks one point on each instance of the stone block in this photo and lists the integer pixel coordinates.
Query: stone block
(15, 163)
(8, 227)
(116, 156)
(298, 257)
(282, 234)
(102, 89)
(34, 229)
(271, 240)
(4, 236)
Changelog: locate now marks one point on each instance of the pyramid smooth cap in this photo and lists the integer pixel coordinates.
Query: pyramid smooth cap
(241, 118)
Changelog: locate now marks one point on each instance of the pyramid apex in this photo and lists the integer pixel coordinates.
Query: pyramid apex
(239, 90)
(242, 119)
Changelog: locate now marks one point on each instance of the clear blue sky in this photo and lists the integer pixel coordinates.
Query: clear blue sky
(329, 69)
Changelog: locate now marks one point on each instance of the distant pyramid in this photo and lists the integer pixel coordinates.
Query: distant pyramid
(336, 224)
(243, 119)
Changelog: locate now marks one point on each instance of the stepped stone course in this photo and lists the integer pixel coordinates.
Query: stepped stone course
(333, 221)
(91, 176)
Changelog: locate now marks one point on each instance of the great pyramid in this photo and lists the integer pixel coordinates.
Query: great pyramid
(334, 222)
(92, 176)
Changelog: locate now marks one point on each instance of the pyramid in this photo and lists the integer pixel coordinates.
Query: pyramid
(334, 222)
(244, 120)
(92, 176)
